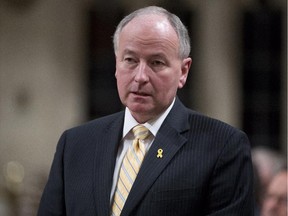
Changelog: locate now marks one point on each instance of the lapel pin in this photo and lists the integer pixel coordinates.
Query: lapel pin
(159, 155)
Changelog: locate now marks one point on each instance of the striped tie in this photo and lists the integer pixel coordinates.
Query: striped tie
(129, 169)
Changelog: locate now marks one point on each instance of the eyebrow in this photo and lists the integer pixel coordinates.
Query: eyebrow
(153, 55)
(128, 51)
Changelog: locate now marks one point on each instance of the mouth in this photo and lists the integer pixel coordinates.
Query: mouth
(141, 94)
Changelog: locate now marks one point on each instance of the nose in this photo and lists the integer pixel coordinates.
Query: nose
(141, 73)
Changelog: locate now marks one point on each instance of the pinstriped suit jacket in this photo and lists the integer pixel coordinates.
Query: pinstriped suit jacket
(205, 170)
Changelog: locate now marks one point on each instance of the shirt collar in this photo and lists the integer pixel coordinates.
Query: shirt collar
(153, 125)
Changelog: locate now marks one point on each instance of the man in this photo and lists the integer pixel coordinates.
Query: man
(275, 201)
(193, 165)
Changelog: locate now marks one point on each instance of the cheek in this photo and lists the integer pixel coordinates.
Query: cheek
(122, 82)
(166, 86)
(171, 81)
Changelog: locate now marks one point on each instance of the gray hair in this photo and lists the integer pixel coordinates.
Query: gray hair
(175, 22)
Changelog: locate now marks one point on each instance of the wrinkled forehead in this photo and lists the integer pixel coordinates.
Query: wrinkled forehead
(152, 21)
(152, 25)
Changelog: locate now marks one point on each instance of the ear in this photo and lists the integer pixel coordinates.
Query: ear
(186, 64)
(116, 65)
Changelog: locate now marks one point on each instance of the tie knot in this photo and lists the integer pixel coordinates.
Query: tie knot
(140, 132)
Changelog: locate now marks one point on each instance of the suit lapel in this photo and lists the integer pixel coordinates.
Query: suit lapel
(170, 139)
(106, 150)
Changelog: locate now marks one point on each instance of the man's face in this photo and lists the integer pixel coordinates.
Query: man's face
(275, 202)
(148, 68)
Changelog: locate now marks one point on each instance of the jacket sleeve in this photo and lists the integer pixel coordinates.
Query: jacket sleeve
(53, 201)
(231, 186)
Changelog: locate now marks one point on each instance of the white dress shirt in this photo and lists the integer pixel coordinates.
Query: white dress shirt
(127, 139)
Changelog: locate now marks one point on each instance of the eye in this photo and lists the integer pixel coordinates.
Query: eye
(157, 63)
(130, 60)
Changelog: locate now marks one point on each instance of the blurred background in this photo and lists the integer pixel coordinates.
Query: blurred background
(57, 71)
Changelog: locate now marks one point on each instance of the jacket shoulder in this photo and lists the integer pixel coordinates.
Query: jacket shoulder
(102, 123)
(199, 121)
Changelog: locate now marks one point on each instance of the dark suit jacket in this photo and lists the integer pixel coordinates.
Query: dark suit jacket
(205, 170)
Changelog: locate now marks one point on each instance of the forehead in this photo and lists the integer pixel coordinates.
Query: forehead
(152, 21)
(148, 30)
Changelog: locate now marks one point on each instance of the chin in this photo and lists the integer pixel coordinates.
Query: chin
(136, 108)
(140, 108)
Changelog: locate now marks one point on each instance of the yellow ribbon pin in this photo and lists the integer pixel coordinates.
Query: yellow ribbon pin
(159, 155)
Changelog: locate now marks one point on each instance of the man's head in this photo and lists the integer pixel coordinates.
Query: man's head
(275, 201)
(152, 61)
(175, 22)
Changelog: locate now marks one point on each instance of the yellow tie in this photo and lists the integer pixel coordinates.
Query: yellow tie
(129, 169)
